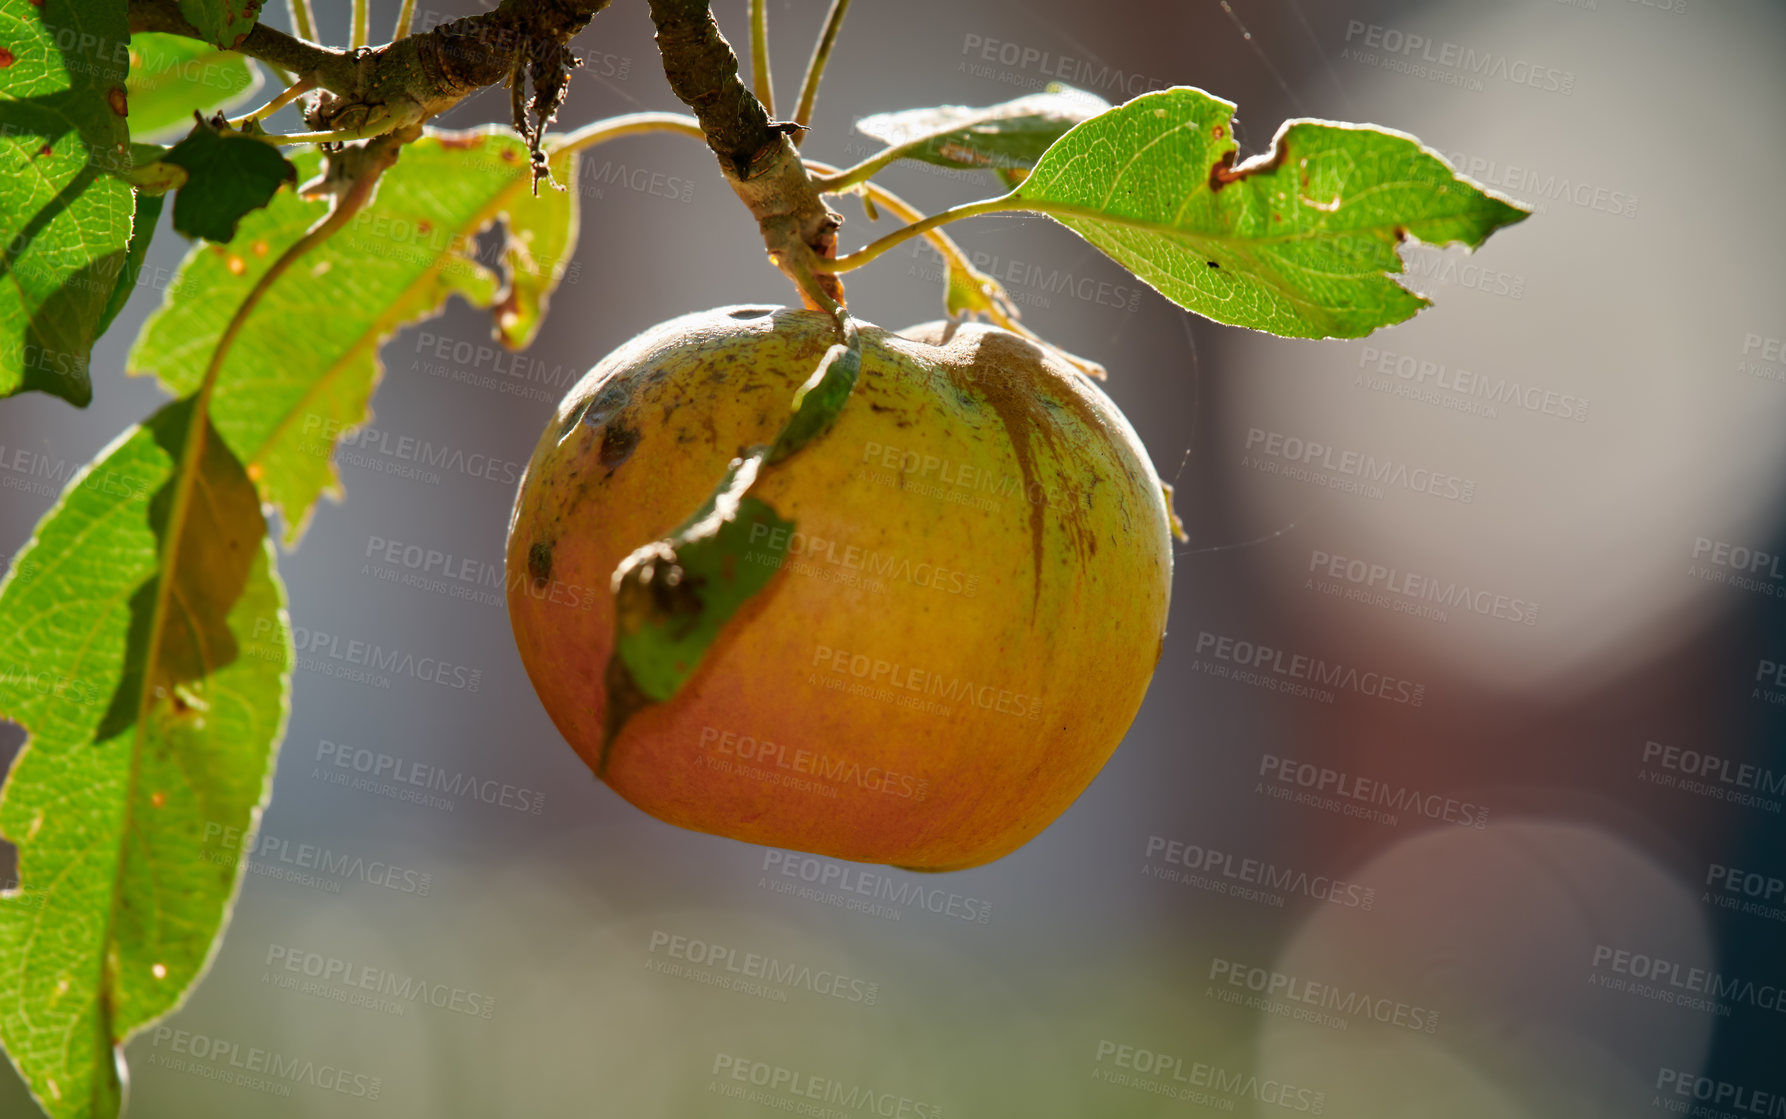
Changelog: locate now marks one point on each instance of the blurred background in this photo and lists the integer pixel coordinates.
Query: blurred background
(1558, 846)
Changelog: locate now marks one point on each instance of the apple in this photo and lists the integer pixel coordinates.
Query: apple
(962, 620)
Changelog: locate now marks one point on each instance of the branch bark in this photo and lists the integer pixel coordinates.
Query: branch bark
(756, 155)
(424, 74)
(405, 82)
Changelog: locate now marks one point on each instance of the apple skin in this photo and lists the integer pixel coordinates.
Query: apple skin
(955, 642)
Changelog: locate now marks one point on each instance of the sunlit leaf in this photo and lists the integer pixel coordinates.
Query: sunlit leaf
(1299, 242)
(154, 701)
(305, 365)
(64, 219)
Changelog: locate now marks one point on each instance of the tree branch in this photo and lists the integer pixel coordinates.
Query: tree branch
(422, 75)
(755, 153)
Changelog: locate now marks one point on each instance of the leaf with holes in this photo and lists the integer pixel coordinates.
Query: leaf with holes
(1299, 242)
(537, 248)
(303, 370)
(148, 659)
(64, 220)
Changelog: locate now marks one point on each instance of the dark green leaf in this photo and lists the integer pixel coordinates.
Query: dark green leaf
(304, 367)
(1006, 138)
(171, 76)
(64, 221)
(1300, 242)
(821, 398)
(673, 596)
(148, 212)
(152, 669)
(231, 175)
(221, 22)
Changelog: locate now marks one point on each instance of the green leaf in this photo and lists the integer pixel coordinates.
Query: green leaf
(172, 76)
(154, 702)
(1299, 242)
(230, 175)
(821, 398)
(222, 22)
(306, 362)
(674, 595)
(64, 221)
(1007, 138)
(148, 212)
